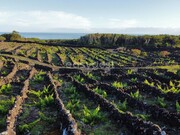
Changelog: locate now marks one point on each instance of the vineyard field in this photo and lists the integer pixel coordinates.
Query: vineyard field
(54, 90)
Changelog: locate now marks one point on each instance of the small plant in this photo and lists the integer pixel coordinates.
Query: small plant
(144, 54)
(25, 114)
(43, 55)
(177, 107)
(45, 118)
(33, 55)
(111, 63)
(159, 87)
(90, 75)
(45, 90)
(4, 72)
(6, 88)
(47, 100)
(80, 57)
(171, 84)
(22, 78)
(171, 62)
(22, 52)
(172, 89)
(79, 79)
(5, 105)
(63, 57)
(29, 126)
(101, 92)
(3, 122)
(36, 93)
(49, 50)
(156, 72)
(39, 77)
(161, 102)
(130, 71)
(73, 105)
(148, 83)
(119, 85)
(133, 79)
(123, 106)
(92, 116)
(39, 93)
(143, 116)
(55, 77)
(71, 91)
(60, 80)
(136, 95)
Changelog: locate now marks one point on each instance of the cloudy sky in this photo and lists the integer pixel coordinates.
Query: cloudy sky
(110, 16)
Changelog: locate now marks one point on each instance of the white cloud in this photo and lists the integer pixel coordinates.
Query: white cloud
(42, 20)
(120, 23)
(59, 21)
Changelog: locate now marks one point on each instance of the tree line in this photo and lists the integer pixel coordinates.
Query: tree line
(121, 40)
(104, 40)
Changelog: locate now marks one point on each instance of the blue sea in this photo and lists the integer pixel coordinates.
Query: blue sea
(50, 35)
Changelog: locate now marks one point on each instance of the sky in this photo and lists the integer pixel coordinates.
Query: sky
(91, 16)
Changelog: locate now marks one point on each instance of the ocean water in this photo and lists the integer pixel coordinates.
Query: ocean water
(51, 35)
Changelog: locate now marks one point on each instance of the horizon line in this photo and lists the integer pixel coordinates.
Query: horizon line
(91, 33)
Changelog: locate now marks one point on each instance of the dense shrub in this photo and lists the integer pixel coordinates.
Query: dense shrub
(14, 36)
(2, 38)
(136, 51)
(117, 40)
(164, 53)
